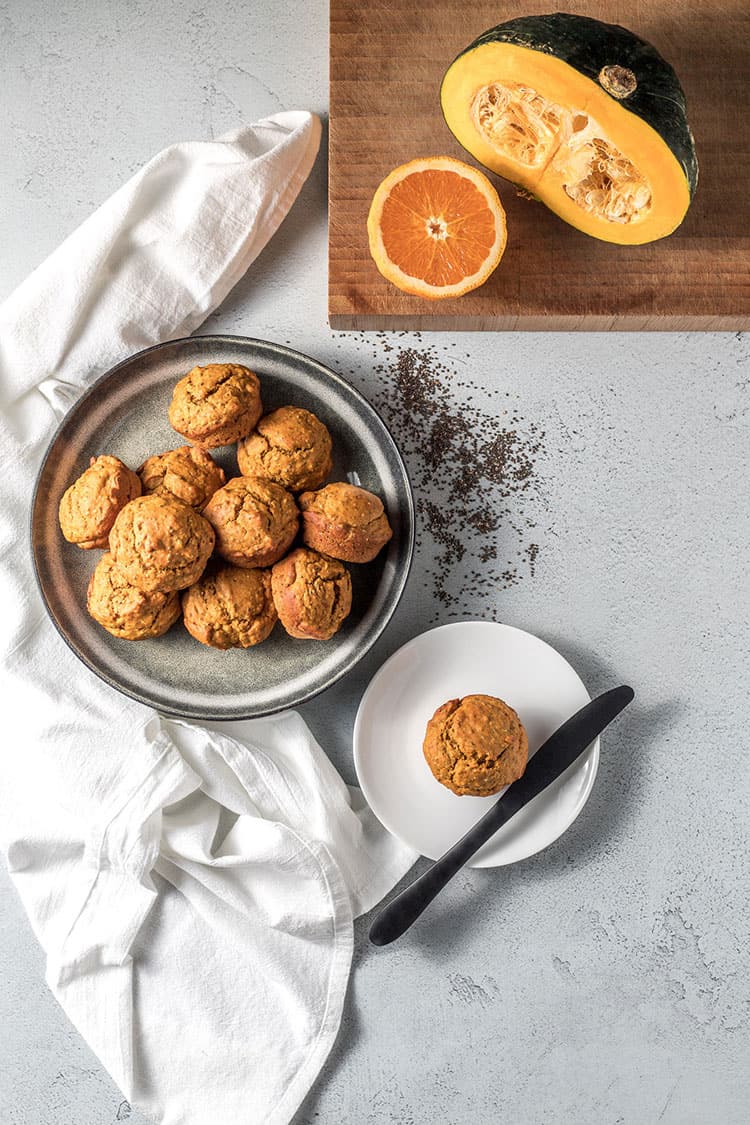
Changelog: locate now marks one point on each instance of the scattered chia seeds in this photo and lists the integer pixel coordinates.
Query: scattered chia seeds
(473, 474)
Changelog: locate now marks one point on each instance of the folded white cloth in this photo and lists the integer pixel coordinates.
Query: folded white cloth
(193, 888)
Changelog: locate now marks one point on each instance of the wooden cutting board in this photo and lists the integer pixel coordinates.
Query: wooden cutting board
(387, 60)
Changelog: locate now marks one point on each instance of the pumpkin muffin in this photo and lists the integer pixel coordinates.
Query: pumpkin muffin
(90, 506)
(255, 521)
(189, 473)
(290, 446)
(344, 521)
(217, 404)
(312, 593)
(476, 745)
(124, 610)
(160, 544)
(230, 607)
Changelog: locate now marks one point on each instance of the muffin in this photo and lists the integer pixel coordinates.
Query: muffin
(124, 610)
(189, 473)
(160, 544)
(290, 446)
(230, 607)
(345, 522)
(255, 521)
(312, 593)
(91, 504)
(217, 404)
(476, 745)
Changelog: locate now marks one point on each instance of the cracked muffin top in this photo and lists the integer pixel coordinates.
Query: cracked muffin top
(344, 521)
(124, 610)
(255, 521)
(90, 506)
(313, 594)
(476, 745)
(217, 404)
(160, 544)
(189, 473)
(289, 446)
(230, 607)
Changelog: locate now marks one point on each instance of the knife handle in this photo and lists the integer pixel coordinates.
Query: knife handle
(395, 918)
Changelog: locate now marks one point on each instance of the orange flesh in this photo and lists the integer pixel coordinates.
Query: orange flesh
(436, 226)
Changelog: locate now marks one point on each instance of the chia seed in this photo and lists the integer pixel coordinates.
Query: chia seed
(473, 471)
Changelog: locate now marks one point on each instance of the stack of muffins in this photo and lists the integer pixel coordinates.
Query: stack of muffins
(184, 540)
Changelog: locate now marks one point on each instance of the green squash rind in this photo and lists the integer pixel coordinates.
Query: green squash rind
(587, 45)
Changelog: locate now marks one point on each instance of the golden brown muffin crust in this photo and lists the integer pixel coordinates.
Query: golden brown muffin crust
(188, 473)
(90, 506)
(124, 610)
(290, 446)
(312, 593)
(476, 745)
(344, 521)
(216, 404)
(230, 607)
(255, 521)
(160, 544)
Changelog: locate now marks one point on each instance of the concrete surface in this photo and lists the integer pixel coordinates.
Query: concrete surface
(605, 981)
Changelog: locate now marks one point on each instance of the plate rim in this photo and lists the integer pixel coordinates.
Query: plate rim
(593, 750)
(279, 349)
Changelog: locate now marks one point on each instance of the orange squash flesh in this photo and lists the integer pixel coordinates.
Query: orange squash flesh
(535, 119)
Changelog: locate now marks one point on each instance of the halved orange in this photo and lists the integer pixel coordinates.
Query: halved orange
(436, 227)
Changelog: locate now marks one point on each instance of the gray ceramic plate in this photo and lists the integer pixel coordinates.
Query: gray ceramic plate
(125, 413)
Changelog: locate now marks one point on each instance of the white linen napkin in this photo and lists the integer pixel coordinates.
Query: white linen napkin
(193, 888)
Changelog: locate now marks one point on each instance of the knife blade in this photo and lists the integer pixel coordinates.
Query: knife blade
(551, 760)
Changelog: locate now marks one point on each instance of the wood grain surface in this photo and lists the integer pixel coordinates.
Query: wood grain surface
(387, 61)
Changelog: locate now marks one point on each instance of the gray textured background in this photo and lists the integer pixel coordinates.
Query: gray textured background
(604, 981)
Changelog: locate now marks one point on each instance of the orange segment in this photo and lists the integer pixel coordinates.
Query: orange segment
(436, 227)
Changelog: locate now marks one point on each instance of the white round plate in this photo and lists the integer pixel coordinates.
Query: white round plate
(467, 658)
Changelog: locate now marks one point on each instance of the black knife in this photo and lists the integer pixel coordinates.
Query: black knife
(551, 759)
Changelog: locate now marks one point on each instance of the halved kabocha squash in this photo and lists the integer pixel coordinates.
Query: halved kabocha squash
(585, 116)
